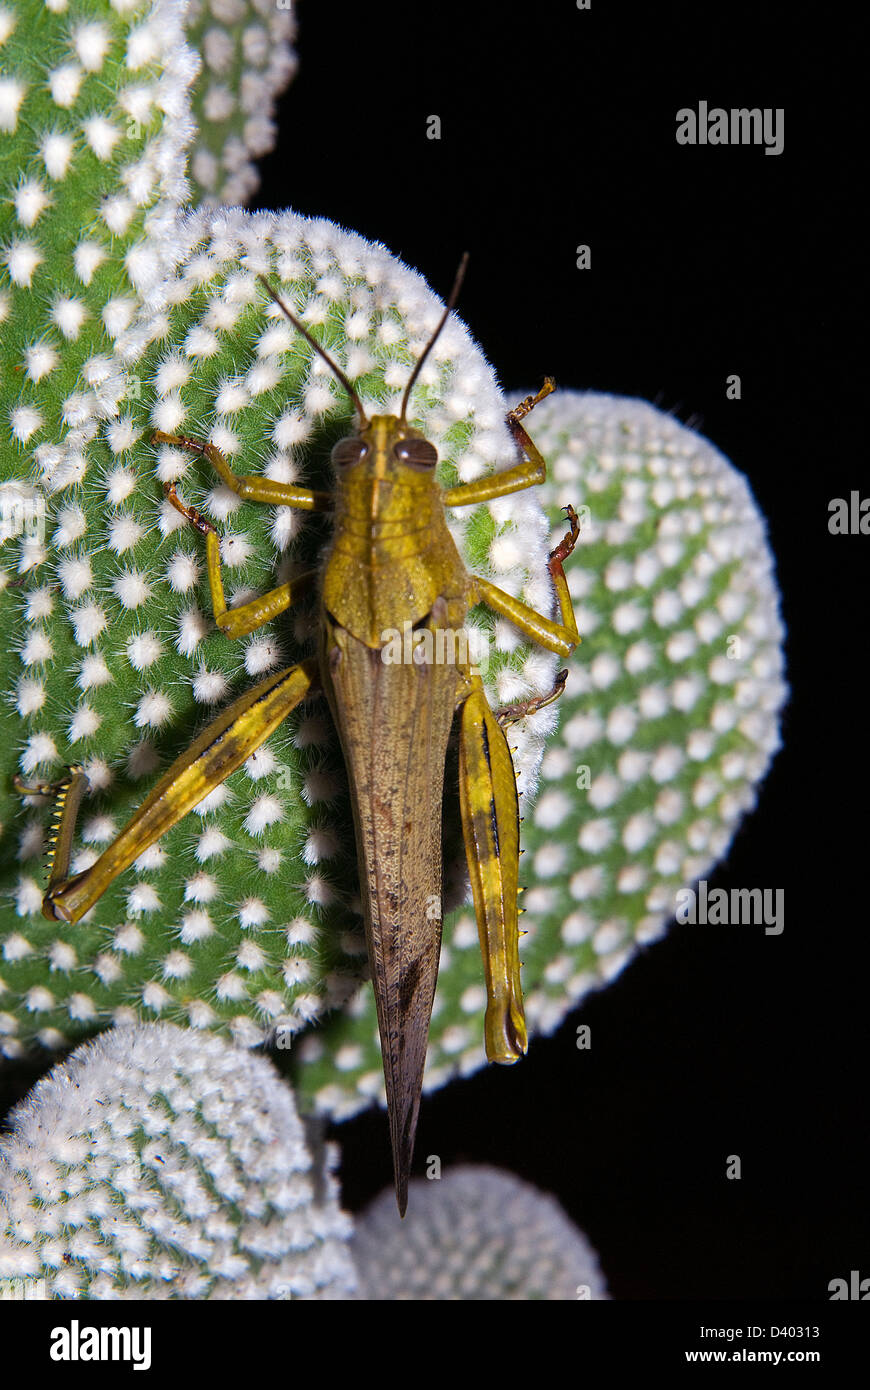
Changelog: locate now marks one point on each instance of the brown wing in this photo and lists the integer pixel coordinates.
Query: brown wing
(394, 722)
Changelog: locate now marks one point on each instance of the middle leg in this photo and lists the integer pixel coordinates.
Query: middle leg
(238, 622)
(561, 637)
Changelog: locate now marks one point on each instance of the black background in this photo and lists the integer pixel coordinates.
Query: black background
(558, 128)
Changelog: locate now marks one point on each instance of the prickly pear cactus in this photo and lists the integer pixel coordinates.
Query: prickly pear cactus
(95, 114)
(247, 60)
(123, 316)
(475, 1234)
(161, 1163)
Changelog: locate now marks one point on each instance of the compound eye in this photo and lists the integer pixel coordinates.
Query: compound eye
(349, 451)
(417, 453)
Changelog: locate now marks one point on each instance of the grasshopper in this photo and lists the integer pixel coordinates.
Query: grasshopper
(392, 566)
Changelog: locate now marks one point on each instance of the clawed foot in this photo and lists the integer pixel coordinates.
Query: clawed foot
(189, 513)
(520, 411)
(564, 548)
(509, 714)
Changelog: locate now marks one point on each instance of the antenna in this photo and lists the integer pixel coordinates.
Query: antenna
(454, 295)
(318, 349)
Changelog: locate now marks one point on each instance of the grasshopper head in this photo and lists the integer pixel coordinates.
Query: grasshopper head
(388, 449)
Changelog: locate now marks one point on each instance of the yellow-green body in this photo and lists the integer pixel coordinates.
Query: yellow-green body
(393, 564)
(392, 577)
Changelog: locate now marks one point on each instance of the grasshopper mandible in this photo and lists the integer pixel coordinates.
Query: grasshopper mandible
(392, 565)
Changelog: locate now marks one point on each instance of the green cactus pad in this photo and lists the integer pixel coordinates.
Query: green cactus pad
(95, 117)
(247, 60)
